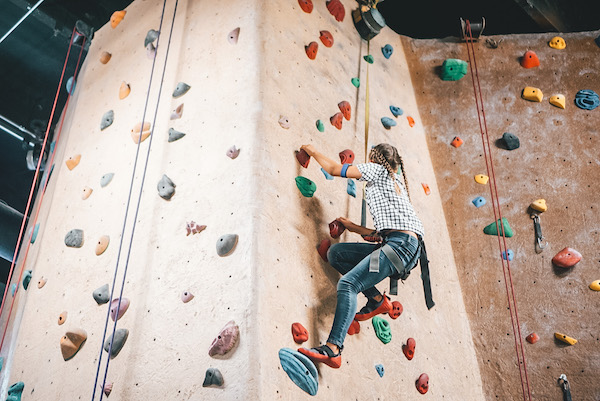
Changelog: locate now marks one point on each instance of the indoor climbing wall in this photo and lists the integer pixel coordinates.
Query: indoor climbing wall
(557, 160)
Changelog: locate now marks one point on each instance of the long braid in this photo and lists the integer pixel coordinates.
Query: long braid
(404, 176)
(380, 159)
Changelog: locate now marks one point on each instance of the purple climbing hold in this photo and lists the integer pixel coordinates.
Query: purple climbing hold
(233, 152)
(114, 305)
(226, 339)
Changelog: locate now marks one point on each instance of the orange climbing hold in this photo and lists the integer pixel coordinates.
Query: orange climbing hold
(303, 158)
(42, 282)
(336, 120)
(71, 342)
(336, 8)
(345, 109)
(336, 228)
(102, 244)
(411, 121)
(456, 142)
(354, 328)
(530, 60)
(306, 5)
(311, 50)
(532, 338)
(566, 258)
(396, 311)
(124, 90)
(73, 161)
(299, 333)
(117, 17)
(135, 132)
(322, 248)
(62, 318)
(327, 38)
(346, 156)
(426, 188)
(105, 57)
(87, 191)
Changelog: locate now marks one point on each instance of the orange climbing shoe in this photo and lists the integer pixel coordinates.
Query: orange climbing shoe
(324, 354)
(373, 308)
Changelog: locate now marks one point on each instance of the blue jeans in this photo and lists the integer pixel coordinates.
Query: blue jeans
(352, 260)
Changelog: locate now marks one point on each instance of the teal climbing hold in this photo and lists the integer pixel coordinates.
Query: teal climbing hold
(492, 229)
(306, 186)
(355, 82)
(52, 145)
(13, 288)
(26, 279)
(453, 69)
(380, 370)
(382, 329)
(1, 362)
(479, 201)
(351, 188)
(14, 391)
(511, 255)
(300, 369)
(320, 126)
(34, 234)
(396, 111)
(326, 174)
(387, 51)
(388, 122)
(368, 58)
(587, 99)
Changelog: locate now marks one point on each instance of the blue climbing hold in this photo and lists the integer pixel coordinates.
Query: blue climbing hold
(387, 51)
(13, 288)
(27, 279)
(511, 255)
(388, 122)
(396, 111)
(300, 369)
(327, 175)
(479, 201)
(587, 99)
(351, 189)
(52, 145)
(34, 234)
(71, 86)
(380, 370)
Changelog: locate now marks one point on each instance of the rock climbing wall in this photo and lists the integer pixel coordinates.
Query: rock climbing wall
(557, 160)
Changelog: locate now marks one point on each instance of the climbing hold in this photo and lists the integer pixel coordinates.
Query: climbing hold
(74, 238)
(557, 43)
(106, 179)
(336, 120)
(387, 51)
(232, 37)
(532, 94)
(72, 342)
(150, 51)
(346, 156)
(422, 383)
(387, 122)
(307, 187)
(116, 314)
(166, 187)
(492, 229)
(13, 289)
(105, 57)
(346, 110)
(177, 113)
(193, 228)
(355, 82)
(306, 5)
(300, 369)
(284, 122)
(181, 89)
(558, 101)
(226, 244)
(107, 120)
(151, 36)
(124, 90)
(511, 255)
(226, 339)
(119, 341)
(426, 188)
(479, 201)
(26, 279)
(327, 38)
(539, 205)
(15, 391)
(453, 69)
(233, 152)
(351, 188)
(108, 388)
(336, 8)
(323, 247)
(530, 60)
(456, 142)
(379, 369)
(303, 158)
(396, 111)
(396, 311)
(213, 377)
(354, 328)
(481, 179)
(532, 338)
(174, 135)
(382, 329)
(511, 141)
(566, 258)
(587, 99)
(311, 50)
(336, 228)
(186, 296)
(73, 161)
(565, 338)
(299, 333)
(595, 285)
(87, 191)
(411, 121)
(320, 126)
(117, 17)
(101, 295)
(409, 348)
(102, 244)
(42, 282)
(369, 59)
(34, 232)
(326, 174)
(71, 85)
(62, 318)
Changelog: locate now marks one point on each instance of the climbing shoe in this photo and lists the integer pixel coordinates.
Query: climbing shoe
(373, 308)
(324, 354)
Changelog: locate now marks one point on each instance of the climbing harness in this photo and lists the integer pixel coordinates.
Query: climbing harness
(467, 33)
(539, 238)
(566, 387)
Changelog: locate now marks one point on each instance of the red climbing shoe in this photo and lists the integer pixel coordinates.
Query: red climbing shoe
(324, 354)
(373, 308)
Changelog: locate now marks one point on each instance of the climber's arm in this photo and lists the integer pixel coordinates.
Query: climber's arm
(332, 167)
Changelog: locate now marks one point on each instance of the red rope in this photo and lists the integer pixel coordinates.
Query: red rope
(510, 292)
(48, 165)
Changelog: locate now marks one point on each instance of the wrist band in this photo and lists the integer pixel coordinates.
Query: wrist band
(344, 169)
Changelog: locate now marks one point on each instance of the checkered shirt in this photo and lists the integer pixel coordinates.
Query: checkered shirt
(390, 211)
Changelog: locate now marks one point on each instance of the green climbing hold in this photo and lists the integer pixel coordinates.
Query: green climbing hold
(26, 279)
(306, 186)
(14, 392)
(382, 329)
(355, 82)
(492, 229)
(320, 126)
(453, 69)
(368, 58)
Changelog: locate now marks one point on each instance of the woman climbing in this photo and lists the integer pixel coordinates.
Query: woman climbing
(363, 265)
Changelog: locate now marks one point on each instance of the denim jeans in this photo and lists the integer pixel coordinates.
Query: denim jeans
(352, 260)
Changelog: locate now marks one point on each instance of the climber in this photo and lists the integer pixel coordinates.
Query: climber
(362, 264)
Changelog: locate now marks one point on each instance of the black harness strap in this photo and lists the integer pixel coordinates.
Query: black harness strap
(425, 275)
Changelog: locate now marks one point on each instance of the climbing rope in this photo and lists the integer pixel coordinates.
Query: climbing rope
(137, 205)
(33, 185)
(363, 214)
(510, 292)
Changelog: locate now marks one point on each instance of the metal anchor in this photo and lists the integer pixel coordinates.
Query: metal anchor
(566, 387)
(539, 247)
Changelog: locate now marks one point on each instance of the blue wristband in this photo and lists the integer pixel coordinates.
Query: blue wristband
(344, 169)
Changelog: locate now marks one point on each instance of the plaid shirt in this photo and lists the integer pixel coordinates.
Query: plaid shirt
(390, 211)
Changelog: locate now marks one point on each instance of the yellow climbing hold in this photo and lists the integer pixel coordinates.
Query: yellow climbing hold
(558, 101)
(557, 43)
(73, 161)
(595, 285)
(565, 339)
(532, 94)
(539, 205)
(481, 179)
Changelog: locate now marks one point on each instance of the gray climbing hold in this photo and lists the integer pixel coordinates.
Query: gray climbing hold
(396, 111)
(181, 89)
(511, 141)
(34, 233)
(387, 51)
(151, 36)
(388, 122)
(166, 187)
(213, 377)
(175, 135)
(226, 244)
(26, 279)
(120, 338)
(74, 238)
(587, 99)
(107, 120)
(106, 179)
(14, 391)
(101, 295)
(380, 369)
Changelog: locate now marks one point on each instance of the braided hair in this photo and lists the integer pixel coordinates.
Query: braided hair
(388, 156)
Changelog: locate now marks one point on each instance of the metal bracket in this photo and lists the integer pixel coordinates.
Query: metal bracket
(537, 228)
(566, 387)
(476, 29)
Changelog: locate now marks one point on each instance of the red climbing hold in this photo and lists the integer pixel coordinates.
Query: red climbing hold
(396, 310)
(302, 157)
(456, 142)
(423, 383)
(336, 228)
(336, 120)
(568, 257)
(345, 109)
(327, 38)
(306, 5)
(530, 60)
(311, 50)
(409, 348)
(322, 248)
(354, 328)
(299, 333)
(347, 156)
(532, 338)
(336, 8)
